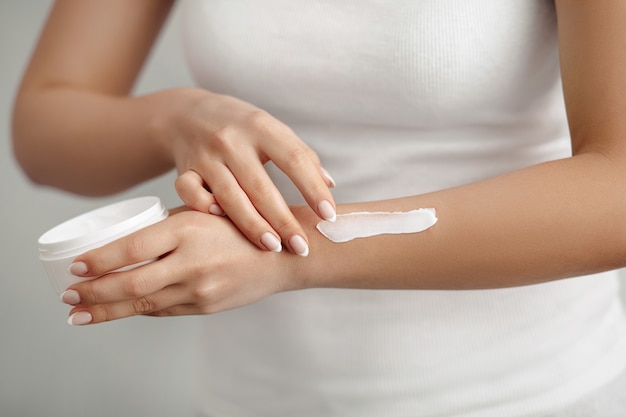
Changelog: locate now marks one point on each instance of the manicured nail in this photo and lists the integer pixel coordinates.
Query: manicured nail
(299, 245)
(217, 210)
(79, 318)
(271, 242)
(70, 297)
(78, 268)
(329, 178)
(327, 211)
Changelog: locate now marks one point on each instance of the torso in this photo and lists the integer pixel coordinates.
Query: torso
(402, 98)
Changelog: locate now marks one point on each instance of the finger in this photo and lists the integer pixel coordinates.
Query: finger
(191, 188)
(161, 300)
(268, 201)
(301, 164)
(143, 245)
(240, 210)
(127, 285)
(184, 310)
(329, 180)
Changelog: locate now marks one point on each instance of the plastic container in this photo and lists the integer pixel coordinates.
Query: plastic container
(59, 246)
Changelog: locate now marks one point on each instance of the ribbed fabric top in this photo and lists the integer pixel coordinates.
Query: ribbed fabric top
(402, 98)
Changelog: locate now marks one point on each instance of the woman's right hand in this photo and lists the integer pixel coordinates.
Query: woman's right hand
(220, 144)
(74, 119)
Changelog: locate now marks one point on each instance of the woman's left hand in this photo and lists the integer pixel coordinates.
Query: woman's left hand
(205, 265)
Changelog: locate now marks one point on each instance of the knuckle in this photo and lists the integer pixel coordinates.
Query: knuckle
(265, 125)
(313, 155)
(134, 247)
(88, 295)
(262, 122)
(202, 294)
(284, 225)
(104, 313)
(182, 185)
(259, 188)
(142, 305)
(195, 199)
(297, 159)
(96, 260)
(136, 286)
(227, 192)
(222, 140)
(253, 225)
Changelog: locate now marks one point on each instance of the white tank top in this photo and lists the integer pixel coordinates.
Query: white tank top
(399, 98)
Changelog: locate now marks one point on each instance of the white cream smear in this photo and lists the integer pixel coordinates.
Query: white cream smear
(365, 224)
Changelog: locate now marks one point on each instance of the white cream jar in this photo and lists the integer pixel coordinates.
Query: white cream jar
(60, 245)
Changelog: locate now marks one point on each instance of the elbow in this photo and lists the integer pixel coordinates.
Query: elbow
(26, 153)
(30, 164)
(31, 150)
(38, 165)
(36, 160)
(32, 173)
(43, 168)
(48, 153)
(41, 173)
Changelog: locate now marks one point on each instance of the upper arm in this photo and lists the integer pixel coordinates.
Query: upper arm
(95, 45)
(592, 42)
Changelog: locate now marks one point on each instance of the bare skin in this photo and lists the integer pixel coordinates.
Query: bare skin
(74, 119)
(551, 221)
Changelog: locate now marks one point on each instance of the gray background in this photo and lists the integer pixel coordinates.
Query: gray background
(136, 367)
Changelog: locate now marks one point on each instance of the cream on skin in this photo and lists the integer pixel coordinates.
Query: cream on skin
(355, 225)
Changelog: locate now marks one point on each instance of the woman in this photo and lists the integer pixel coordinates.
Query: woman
(455, 106)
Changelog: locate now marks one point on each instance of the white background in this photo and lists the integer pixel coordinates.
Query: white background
(138, 367)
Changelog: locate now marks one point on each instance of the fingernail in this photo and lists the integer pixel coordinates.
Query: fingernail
(79, 318)
(271, 242)
(78, 268)
(70, 297)
(329, 178)
(327, 211)
(217, 210)
(299, 245)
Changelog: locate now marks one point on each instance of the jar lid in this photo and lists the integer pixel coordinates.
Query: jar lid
(100, 226)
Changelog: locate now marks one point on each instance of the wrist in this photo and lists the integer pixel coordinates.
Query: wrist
(169, 109)
(359, 263)
(315, 270)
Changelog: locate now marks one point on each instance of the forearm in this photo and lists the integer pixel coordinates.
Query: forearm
(90, 143)
(74, 124)
(555, 220)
